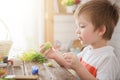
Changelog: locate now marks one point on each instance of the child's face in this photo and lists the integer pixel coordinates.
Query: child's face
(85, 31)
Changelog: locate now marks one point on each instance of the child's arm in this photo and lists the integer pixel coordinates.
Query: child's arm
(74, 63)
(58, 57)
(51, 53)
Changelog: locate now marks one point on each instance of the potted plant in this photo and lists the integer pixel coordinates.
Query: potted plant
(70, 5)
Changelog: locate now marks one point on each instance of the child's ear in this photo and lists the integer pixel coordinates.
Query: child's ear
(102, 30)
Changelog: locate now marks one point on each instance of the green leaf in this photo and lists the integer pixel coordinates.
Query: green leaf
(33, 56)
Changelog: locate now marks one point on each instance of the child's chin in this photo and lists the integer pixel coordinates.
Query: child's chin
(83, 43)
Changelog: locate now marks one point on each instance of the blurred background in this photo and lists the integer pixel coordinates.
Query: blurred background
(26, 24)
(24, 20)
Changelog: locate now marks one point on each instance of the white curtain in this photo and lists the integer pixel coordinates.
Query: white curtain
(24, 19)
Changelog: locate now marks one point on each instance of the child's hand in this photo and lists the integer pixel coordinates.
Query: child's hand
(72, 60)
(45, 47)
(47, 50)
(51, 53)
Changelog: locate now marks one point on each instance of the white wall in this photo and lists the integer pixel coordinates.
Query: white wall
(64, 29)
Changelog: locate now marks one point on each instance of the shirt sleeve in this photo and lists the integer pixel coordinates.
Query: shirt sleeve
(108, 69)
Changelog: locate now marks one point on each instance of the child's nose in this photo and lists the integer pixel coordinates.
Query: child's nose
(78, 31)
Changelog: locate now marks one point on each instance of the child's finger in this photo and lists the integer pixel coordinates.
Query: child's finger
(66, 55)
(41, 45)
(42, 49)
(47, 52)
(68, 60)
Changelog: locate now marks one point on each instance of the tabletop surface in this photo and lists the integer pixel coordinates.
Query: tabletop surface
(45, 72)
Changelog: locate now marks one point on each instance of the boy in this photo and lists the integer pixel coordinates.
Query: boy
(96, 21)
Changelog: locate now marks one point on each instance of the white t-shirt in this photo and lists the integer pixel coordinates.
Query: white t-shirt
(101, 62)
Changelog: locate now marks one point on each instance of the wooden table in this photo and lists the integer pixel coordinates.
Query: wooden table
(24, 72)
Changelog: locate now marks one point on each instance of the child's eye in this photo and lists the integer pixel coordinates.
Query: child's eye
(82, 26)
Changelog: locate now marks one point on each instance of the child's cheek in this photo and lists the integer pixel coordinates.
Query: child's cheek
(87, 36)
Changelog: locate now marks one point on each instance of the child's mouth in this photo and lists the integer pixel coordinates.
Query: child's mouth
(80, 38)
